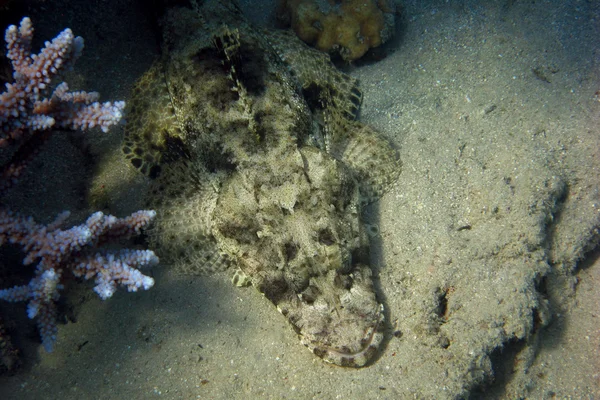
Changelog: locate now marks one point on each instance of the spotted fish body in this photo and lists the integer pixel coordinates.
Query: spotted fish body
(258, 161)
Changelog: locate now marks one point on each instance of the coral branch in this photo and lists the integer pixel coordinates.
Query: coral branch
(75, 249)
(22, 110)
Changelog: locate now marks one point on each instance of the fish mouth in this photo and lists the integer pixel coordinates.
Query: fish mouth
(339, 322)
(351, 355)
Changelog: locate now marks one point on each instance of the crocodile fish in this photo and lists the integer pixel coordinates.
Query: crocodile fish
(257, 161)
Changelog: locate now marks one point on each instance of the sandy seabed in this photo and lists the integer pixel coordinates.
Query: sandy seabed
(485, 255)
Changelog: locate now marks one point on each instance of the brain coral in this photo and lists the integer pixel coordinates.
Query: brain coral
(347, 27)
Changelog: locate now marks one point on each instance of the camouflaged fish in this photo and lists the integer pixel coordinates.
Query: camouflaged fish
(256, 158)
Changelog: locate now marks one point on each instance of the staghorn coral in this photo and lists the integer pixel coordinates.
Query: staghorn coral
(27, 120)
(347, 27)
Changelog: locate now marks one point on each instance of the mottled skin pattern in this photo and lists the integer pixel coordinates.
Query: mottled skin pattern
(250, 168)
